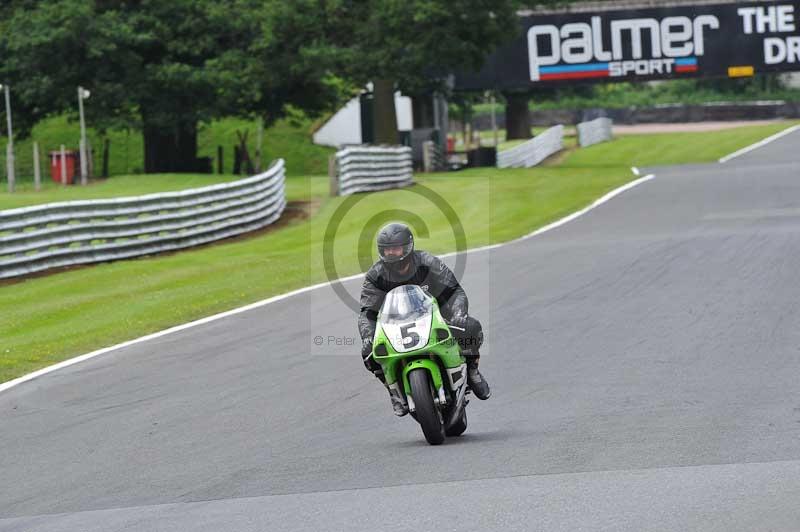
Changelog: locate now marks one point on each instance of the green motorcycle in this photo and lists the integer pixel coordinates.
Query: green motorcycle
(422, 362)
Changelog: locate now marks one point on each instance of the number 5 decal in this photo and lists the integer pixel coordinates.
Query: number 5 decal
(410, 338)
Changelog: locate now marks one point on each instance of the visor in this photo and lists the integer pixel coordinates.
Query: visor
(389, 254)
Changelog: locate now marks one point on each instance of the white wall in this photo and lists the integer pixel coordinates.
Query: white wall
(344, 127)
(402, 106)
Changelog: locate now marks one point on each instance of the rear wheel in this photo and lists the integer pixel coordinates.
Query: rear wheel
(428, 416)
(459, 426)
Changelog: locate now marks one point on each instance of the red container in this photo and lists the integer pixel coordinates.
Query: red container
(451, 144)
(71, 160)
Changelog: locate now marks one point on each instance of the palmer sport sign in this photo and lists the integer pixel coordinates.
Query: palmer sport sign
(617, 47)
(735, 40)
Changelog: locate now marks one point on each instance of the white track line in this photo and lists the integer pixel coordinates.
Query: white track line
(760, 143)
(264, 302)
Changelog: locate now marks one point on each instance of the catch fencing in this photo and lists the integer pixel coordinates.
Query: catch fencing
(594, 131)
(41, 237)
(368, 168)
(534, 151)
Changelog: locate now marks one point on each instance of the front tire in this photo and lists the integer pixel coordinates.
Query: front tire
(428, 415)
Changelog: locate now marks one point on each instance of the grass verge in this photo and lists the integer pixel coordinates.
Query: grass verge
(658, 149)
(48, 319)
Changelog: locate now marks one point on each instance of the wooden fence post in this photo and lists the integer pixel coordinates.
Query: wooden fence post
(63, 166)
(37, 171)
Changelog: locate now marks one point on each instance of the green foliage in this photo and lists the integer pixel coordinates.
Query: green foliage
(162, 67)
(628, 94)
(401, 40)
(288, 138)
(686, 91)
(125, 149)
(410, 45)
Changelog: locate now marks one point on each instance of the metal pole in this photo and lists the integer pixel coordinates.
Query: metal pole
(8, 114)
(63, 166)
(436, 124)
(494, 120)
(82, 151)
(438, 103)
(444, 124)
(10, 146)
(37, 171)
(84, 168)
(10, 166)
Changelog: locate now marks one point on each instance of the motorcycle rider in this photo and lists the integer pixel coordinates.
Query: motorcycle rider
(400, 264)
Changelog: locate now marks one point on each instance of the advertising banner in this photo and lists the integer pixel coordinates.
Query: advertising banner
(730, 40)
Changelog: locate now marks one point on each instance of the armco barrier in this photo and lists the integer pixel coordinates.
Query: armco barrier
(534, 151)
(367, 168)
(594, 131)
(47, 236)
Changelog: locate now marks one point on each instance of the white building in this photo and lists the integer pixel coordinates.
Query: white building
(344, 127)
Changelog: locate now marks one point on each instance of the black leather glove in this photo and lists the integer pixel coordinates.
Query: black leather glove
(459, 321)
(366, 357)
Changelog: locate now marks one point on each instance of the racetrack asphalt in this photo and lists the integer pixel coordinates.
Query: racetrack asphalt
(644, 361)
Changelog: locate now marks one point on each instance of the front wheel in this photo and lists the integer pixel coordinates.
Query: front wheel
(428, 416)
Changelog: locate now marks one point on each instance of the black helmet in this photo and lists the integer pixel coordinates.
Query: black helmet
(395, 235)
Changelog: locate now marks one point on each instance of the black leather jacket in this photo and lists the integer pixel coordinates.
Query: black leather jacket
(427, 271)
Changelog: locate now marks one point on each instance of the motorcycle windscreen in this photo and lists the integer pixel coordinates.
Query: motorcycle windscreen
(406, 317)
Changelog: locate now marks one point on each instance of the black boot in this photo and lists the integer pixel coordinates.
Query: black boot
(398, 404)
(477, 383)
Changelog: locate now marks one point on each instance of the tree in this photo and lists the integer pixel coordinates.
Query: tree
(409, 45)
(518, 117)
(161, 66)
